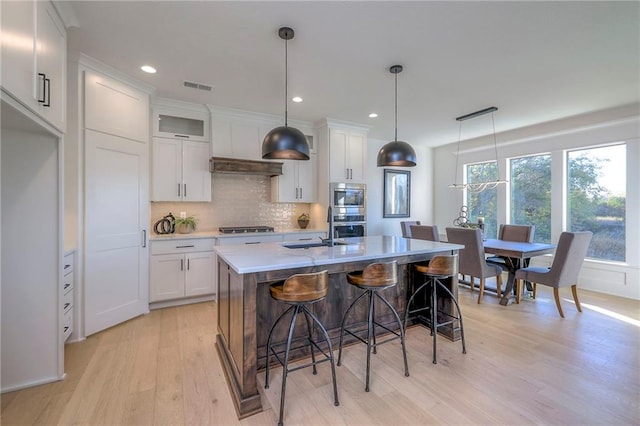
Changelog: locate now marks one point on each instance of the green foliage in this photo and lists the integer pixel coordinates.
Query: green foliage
(188, 222)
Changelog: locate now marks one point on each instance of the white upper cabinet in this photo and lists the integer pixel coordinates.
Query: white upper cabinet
(238, 137)
(34, 51)
(181, 152)
(104, 96)
(347, 153)
(297, 184)
(172, 121)
(180, 171)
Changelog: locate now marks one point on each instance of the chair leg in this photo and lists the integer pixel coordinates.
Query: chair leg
(328, 340)
(556, 295)
(344, 317)
(518, 290)
(535, 290)
(499, 285)
(434, 316)
(471, 281)
(285, 366)
(402, 333)
(574, 290)
(313, 355)
(266, 381)
(481, 290)
(455, 301)
(369, 336)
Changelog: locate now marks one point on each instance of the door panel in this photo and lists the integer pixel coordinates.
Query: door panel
(116, 272)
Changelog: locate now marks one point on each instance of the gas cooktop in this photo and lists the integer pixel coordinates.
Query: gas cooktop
(244, 229)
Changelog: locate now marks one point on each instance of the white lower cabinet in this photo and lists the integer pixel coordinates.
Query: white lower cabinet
(181, 268)
(67, 295)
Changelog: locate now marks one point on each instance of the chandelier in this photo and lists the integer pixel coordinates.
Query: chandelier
(476, 187)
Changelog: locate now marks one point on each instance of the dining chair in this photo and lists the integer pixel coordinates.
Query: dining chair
(565, 268)
(425, 232)
(518, 233)
(472, 261)
(405, 225)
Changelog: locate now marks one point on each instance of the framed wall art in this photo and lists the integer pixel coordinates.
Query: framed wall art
(397, 193)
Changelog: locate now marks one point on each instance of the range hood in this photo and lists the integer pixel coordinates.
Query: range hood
(245, 167)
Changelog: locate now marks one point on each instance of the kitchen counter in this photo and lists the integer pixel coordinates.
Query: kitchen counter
(218, 234)
(246, 311)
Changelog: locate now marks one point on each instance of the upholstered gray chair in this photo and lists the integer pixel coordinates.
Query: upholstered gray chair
(518, 233)
(570, 253)
(472, 261)
(406, 227)
(425, 232)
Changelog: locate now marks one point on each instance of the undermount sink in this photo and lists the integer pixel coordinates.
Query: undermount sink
(314, 244)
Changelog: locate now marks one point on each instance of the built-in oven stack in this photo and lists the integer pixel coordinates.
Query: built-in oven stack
(348, 202)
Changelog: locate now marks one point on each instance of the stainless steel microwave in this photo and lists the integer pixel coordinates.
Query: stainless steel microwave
(348, 201)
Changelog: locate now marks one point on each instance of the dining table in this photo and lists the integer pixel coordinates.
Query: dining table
(515, 254)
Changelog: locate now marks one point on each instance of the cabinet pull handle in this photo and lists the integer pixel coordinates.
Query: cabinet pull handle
(144, 238)
(181, 136)
(179, 189)
(67, 266)
(43, 90)
(185, 246)
(253, 242)
(347, 170)
(188, 264)
(296, 193)
(65, 328)
(185, 189)
(66, 305)
(47, 85)
(305, 239)
(182, 264)
(66, 286)
(300, 193)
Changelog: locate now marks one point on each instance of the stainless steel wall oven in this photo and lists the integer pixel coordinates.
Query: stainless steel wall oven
(348, 202)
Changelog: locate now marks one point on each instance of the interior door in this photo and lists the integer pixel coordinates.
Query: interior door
(116, 269)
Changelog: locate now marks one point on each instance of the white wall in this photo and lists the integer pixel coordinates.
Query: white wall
(615, 125)
(421, 207)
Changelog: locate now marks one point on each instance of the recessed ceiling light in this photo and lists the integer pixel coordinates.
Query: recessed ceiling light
(296, 99)
(148, 68)
(373, 115)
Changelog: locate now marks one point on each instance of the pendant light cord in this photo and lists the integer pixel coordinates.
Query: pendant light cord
(396, 128)
(286, 82)
(495, 147)
(455, 171)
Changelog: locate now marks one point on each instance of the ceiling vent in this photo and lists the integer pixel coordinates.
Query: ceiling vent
(198, 86)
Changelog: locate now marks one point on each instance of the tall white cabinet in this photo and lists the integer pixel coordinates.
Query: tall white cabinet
(181, 151)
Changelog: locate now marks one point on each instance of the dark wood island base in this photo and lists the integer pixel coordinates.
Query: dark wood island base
(246, 313)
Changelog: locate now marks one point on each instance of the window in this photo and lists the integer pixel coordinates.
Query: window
(530, 184)
(483, 204)
(596, 190)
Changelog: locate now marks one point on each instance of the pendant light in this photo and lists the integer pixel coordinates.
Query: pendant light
(396, 153)
(477, 186)
(284, 142)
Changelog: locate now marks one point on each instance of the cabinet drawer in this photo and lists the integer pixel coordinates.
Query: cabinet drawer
(256, 239)
(182, 245)
(67, 324)
(67, 267)
(306, 236)
(67, 302)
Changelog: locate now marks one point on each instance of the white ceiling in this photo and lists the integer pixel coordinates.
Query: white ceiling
(535, 61)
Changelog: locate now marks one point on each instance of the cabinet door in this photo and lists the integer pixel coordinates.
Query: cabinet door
(196, 178)
(167, 277)
(180, 123)
(18, 31)
(356, 152)
(51, 50)
(221, 137)
(200, 273)
(167, 170)
(306, 178)
(246, 140)
(284, 188)
(338, 140)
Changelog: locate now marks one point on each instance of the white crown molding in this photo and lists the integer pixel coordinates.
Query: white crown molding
(96, 65)
(331, 122)
(66, 13)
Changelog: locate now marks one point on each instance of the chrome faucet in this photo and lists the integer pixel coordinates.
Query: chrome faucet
(329, 241)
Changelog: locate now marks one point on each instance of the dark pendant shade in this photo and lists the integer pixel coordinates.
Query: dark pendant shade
(285, 143)
(397, 153)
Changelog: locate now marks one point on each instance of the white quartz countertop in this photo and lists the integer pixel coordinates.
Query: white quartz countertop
(246, 259)
(218, 234)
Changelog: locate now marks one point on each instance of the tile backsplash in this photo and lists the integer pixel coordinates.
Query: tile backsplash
(236, 200)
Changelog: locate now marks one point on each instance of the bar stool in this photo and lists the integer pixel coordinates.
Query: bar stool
(439, 267)
(373, 279)
(299, 291)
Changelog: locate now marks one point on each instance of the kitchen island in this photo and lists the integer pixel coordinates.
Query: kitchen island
(246, 311)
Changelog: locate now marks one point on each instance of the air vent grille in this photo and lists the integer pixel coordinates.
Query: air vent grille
(198, 86)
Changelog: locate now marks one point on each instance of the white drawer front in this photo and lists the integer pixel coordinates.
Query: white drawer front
(182, 245)
(250, 239)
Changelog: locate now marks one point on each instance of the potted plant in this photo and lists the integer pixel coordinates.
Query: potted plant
(186, 225)
(303, 220)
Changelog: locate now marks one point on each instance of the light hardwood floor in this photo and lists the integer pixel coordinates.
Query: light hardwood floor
(524, 365)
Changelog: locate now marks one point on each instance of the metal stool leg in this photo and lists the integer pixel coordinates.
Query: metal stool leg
(333, 367)
(369, 332)
(404, 350)
(285, 368)
(344, 317)
(306, 313)
(434, 317)
(408, 308)
(269, 349)
(464, 347)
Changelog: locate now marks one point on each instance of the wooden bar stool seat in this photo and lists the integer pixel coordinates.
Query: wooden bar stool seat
(439, 268)
(373, 279)
(299, 291)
